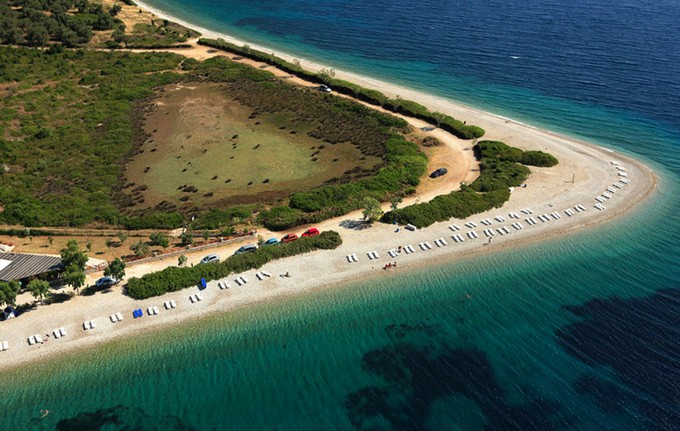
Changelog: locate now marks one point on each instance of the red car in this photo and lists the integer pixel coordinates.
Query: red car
(311, 232)
(289, 238)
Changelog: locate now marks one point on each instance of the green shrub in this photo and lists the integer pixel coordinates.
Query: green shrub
(499, 171)
(173, 278)
(539, 158)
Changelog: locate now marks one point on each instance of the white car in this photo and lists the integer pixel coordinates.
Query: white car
(211, 258)
(106, 282)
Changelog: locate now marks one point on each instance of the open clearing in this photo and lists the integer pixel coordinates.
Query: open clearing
(203, 148)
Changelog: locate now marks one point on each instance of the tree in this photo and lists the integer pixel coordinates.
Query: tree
(181, 261)
(72, 256)
(394, 202)
(74, 277)
(37, 36)
(187, 238)
(159, 239)
(115, 9)
(327, 74)
(206, 235)
(116, 269)
(38, 288)
(372, 210)
(140, 248)
(122, 236)
(9, 291)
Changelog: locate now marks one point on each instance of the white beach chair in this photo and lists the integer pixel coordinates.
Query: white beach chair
(5, 346)
(259, 276)
(453, 228)
(56, 333)
(93, 324)
(149, 311)
(119, 317)
(38, 338)
(173, 303)
(625, 180)
(113, 318)
(31, 340)
(500, 219)
(62, 331)
(86, 326)
(167, 305)
(155, 310)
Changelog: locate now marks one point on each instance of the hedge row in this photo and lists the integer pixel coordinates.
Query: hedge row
(173, 279)
(406, 107)
(499, 169)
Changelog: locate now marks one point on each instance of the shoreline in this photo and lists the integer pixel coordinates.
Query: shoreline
(584, 170)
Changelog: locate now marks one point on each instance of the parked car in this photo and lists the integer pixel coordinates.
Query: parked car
(439, 172)
(106, 282)
(211, 258)
(246, 249)
(289, 238)
(325, 88)
(271, 241)
(311, 232)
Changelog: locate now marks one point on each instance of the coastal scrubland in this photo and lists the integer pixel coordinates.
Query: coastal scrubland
(73, 120)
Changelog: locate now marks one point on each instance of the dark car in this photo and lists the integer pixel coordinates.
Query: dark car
(439, 172)
(246, 249)
(289, 238)
(311, 232)
(106, 282)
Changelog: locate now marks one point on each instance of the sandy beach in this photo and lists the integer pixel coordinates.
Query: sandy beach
(585, 172)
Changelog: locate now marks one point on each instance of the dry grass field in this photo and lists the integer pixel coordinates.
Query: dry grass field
(203, 148)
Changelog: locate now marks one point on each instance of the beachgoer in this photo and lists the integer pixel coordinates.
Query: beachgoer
(399, 249)
(287, 274)
(394, 264)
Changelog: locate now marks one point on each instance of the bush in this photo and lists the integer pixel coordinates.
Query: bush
(173, 278)
(499, 171)
(539, 158)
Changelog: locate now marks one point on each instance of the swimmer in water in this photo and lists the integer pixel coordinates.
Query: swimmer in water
(44, 413)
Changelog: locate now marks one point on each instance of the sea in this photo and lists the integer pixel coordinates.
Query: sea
(581, 332)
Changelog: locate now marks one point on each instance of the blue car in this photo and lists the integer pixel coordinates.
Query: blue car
(271, 241)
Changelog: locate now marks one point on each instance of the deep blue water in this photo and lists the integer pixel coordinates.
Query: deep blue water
(581, 332)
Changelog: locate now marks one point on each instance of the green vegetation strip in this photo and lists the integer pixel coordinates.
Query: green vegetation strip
(405, 107)
(500, 169)
(173, 279)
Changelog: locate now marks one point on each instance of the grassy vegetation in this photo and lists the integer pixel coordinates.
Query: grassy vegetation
(174, 278)
(448, 123)
(206, 149)
(500, 169)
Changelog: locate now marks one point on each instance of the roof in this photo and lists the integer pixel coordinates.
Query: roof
(15, 266)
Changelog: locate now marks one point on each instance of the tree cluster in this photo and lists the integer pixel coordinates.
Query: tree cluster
(37, 22)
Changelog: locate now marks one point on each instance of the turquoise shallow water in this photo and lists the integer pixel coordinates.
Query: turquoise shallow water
(580, 332)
